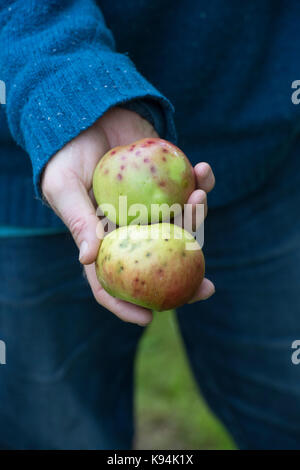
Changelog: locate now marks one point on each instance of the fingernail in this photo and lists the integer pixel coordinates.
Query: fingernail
(83, 249)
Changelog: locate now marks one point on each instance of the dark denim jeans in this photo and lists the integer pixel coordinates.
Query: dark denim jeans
(68, 381)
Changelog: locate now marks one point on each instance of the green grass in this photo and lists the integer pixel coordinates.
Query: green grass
(170, 413)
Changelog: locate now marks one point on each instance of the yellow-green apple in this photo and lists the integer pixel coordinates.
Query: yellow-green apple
(147, 172)
(158, 266)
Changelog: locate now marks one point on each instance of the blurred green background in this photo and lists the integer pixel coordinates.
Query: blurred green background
(170, 413)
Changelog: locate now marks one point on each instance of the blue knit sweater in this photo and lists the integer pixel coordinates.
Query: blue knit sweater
(226, 66)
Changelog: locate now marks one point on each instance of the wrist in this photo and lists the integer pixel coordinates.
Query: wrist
(149, 110)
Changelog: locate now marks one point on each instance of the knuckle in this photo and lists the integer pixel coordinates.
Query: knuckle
(77, 226)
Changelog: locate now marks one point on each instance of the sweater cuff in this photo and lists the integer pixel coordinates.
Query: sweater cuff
(71, 100)
(152, 111)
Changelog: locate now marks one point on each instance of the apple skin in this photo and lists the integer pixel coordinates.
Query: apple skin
(149, 171)
(151, 265)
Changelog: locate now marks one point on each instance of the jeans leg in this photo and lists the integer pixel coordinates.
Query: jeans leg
(68, 378)
(239, 341)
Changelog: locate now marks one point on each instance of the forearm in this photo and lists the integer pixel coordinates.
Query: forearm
(62, 73)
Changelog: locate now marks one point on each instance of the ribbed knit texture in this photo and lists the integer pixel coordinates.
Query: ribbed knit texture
(226, 66)
(62, 72)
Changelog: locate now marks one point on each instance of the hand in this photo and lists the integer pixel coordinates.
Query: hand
(67, 186)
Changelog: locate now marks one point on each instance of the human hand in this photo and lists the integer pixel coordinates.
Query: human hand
(67, 186)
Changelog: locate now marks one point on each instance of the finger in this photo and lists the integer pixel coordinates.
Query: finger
(124, 310)
(205, 290)
(197, 213)
(204, 176)
(70, 200)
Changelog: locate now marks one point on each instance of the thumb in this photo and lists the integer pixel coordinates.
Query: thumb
(74, 206)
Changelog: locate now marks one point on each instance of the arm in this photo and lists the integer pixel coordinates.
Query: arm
(62, 73)
(65, 80)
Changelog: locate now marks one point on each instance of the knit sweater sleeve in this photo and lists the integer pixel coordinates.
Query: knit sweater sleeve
(62, 72)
